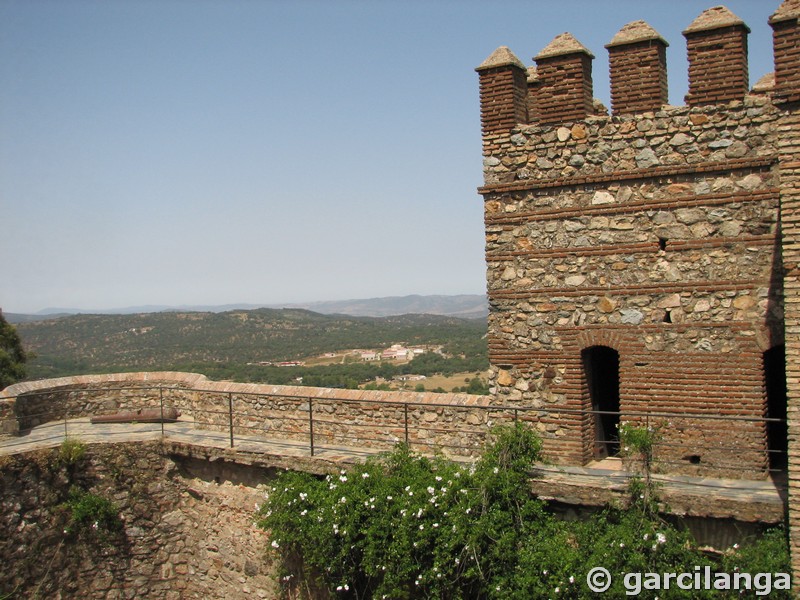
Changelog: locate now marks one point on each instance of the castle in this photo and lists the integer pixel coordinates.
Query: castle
(642, 266)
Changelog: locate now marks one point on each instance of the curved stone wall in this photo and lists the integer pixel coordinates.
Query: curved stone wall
(455, 423)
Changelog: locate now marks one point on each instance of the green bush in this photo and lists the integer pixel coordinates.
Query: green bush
(90, 514)
(71, 451)
(403, 526)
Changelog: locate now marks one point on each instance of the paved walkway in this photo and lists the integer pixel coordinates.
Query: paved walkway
(51, 435)
(595, 484)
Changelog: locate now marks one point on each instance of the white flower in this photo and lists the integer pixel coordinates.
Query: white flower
(275, 544)
(364, 475)
(571, 579)
(661, 538)
(343, 478)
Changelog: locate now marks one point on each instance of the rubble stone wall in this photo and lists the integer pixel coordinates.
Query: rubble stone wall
(183, 535)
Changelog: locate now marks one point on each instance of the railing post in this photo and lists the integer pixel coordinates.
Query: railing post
(161, 401)
(311, 425)
(516, 416)
(405, 420)
(230, 415)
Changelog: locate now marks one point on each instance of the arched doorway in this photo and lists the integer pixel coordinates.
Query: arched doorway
(601, 369)
(775, 385)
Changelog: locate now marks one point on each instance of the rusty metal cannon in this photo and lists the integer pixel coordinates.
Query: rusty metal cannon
(141, 415)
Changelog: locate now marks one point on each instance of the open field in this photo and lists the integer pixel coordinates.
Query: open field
(446, 382)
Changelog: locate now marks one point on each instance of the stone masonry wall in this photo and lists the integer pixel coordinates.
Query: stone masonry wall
(453, 423)
(620, 224)
(183, 536)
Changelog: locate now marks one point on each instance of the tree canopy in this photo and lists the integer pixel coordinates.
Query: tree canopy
(12, 355)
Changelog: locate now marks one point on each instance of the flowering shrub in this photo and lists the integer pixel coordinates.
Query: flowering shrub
(403, 526)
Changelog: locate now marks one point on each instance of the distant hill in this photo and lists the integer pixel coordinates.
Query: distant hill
(207, 341)
(19, 318)
(466, 306)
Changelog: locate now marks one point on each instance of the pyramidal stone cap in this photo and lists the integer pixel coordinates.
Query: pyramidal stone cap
(765, 84)
(562, 44)
(715, 18)
(502, 57)
(637, 31)
(790, 9)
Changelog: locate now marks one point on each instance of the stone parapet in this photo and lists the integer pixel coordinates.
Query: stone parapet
(455, 423)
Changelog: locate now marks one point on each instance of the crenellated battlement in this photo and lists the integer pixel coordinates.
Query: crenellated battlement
(559, 88)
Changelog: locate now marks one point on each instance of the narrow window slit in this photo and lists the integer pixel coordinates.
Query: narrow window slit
(662, 244)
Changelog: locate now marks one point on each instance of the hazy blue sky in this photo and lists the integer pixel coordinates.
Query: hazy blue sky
(211, 152)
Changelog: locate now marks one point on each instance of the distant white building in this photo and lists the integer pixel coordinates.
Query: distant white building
(396, 352)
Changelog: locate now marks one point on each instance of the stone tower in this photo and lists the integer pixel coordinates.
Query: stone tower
(637, 262)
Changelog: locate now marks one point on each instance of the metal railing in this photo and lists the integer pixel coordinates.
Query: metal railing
(317, 423)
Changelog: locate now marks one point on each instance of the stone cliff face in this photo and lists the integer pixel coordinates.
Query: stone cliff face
(187, 527)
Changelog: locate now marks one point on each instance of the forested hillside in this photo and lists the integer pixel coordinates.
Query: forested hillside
(221, 345)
